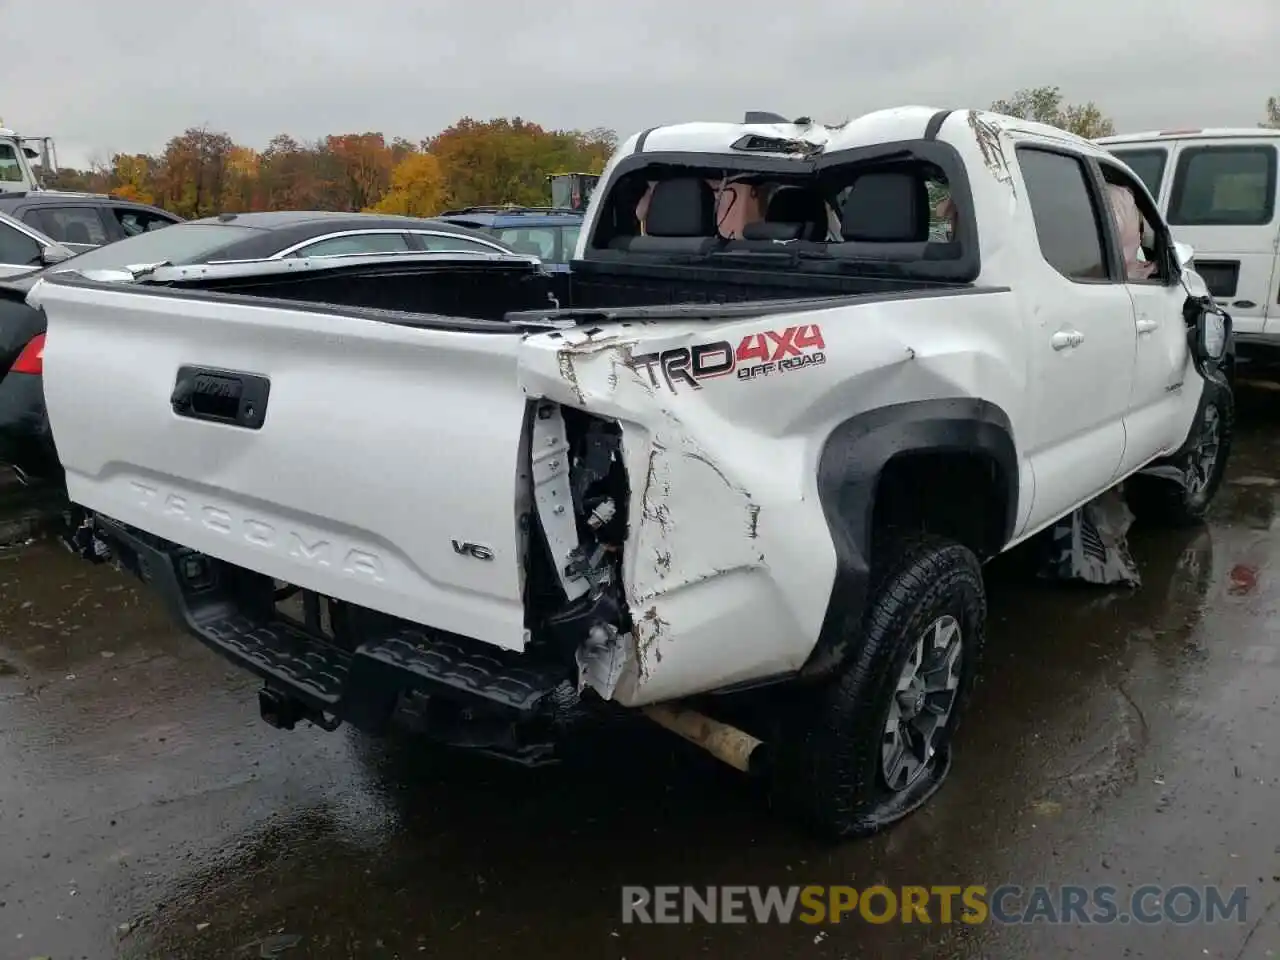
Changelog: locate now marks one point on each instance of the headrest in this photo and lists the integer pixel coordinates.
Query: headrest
(886, 207)
(681, 208)
(801, 206)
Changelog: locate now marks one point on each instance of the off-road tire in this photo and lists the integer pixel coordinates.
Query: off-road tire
(1163, 502)
(828, 768)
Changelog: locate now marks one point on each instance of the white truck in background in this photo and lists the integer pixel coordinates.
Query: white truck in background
(1216, 188)
(743, 483)
(16, 154)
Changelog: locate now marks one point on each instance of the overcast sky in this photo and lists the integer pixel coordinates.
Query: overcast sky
(104, 77)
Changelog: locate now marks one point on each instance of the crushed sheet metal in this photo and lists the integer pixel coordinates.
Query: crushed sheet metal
(581, 347)
(988, 136)
(601, 661)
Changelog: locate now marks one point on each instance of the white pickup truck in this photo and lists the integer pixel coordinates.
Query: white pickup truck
(749, 474)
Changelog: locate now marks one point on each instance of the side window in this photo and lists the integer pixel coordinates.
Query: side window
(1144, 243)
(1147, 164)
(532, 241)
(80, 225)
(17, 248)
(134, 222)
(10, 168)
(355, 243)
(442, 241)
(569, 241)
(1065, 212)
(1224, 186)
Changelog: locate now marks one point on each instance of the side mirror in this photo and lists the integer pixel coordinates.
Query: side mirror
(51, 255)
(1184, 254)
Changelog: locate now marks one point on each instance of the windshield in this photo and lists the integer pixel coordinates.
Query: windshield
(179, 244)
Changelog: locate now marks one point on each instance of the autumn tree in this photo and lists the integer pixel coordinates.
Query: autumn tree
(508, 160)
(417, 187)
(361, 168)
(132, 177)
(194, 172)
(1273, 114)
(1044, 105)
(203, 172)
(241, 189)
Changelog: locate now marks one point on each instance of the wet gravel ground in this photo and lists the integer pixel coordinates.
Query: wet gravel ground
(1118, 737)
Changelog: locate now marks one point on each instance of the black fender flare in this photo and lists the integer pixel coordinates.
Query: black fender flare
(849, 467)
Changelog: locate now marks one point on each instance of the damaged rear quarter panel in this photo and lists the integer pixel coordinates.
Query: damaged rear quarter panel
(728, 562)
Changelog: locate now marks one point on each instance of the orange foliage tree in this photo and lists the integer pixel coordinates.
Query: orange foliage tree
(203, 172)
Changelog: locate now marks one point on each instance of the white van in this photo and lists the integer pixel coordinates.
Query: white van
(1217, 190)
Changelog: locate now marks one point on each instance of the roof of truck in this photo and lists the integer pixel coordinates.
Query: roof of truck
(880, 126)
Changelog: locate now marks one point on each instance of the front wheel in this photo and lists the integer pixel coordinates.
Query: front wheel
(875, 744)
(1185, 500)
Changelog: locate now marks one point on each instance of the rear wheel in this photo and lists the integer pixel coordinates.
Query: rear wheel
(875, 743)
(1186, 500)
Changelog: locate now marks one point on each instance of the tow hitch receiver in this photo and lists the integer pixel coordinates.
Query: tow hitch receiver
(283, 712)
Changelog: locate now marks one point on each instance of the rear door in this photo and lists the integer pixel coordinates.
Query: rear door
(1083, 342)
(1222, 201)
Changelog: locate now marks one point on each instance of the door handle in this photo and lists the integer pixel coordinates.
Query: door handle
(1244, 304)
(221, 396)
(1147, 326)
(1065, 339)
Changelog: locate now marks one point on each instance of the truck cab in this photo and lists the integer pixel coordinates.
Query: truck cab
(16, 154)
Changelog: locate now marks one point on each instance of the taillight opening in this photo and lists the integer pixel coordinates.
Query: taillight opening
(31, 359)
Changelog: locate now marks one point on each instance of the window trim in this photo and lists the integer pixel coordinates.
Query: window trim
(1164, 152)
(1177, 188)
(479, 241)
(360, 232)
(1112, 260)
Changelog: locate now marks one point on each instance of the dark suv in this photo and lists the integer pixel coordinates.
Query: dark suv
(82, 221)
(548, 233)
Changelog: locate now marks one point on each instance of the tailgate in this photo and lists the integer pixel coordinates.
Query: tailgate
(365, 460)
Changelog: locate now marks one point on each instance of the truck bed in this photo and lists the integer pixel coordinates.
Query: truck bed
(376, 448)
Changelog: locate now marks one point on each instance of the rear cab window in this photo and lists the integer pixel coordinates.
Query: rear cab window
(902, 211)
(1148, 163)
(1224, 185)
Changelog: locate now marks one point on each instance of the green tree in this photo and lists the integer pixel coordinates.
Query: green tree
(1044, 105)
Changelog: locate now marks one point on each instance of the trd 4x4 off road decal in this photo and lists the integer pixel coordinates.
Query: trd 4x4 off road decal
(758, 355)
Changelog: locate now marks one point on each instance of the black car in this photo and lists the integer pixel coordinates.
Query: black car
(83, 221)
(25, 439)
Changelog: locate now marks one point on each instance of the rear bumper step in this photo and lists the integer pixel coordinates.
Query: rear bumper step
(362, 685)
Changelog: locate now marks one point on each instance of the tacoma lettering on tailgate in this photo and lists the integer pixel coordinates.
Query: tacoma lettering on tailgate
(312, 549)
